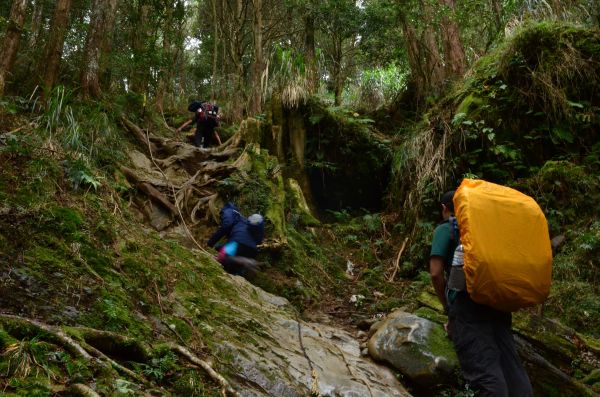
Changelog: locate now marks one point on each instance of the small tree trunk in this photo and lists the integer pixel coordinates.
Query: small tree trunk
(11, 40)
(414, 58)
(496, 6)
(215, 54)
(453, 48)
(97, 31)
(434, 69)
(257, 63)
(309, 51)
(139, 75)
(337, 69)
(56, 42)
(164, 73)
(36, 23)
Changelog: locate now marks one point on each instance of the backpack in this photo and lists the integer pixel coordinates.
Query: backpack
(208, 110)
(456, 275)
(205, 110)
(506, 244)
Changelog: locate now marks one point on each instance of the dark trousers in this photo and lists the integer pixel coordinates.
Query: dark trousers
(486, 351)
(203, 138)
(243, 263)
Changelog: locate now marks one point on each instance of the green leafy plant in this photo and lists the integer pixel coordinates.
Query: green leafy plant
(81, 175)
(160, 366)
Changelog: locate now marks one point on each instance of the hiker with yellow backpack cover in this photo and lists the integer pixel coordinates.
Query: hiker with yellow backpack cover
(491, 256)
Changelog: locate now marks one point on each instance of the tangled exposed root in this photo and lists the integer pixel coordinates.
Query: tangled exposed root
(94, 347)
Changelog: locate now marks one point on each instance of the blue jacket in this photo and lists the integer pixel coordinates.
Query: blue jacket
(235, 227)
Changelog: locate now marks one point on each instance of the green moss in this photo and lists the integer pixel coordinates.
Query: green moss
(5, 339)
(432, 315)
(181, 327)
(440, 345)
(592, 378)
(430, 300)
(468, 105)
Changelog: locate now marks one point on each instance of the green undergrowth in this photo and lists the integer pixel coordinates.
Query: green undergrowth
(527, 116)
(324, 267)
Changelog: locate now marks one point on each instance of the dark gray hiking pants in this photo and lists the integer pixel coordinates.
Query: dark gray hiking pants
(486, 351)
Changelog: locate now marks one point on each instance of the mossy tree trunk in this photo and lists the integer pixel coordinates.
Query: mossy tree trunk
(454, 51)
(54, 48)
(257, 61)
(11, 40)
(434, 67)
(98, 29)
(309, 48)
(215, 54)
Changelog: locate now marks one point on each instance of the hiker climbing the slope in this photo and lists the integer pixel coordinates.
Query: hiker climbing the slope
(243, 236)
(481, 335)
(206, 117)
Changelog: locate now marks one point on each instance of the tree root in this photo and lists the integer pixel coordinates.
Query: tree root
(137, 133)
(53, 334)
(226, 388)
(79, 389)
(16, 325)
(22, 327)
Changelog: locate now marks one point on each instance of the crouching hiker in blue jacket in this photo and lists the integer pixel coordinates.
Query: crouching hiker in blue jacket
(243, 235)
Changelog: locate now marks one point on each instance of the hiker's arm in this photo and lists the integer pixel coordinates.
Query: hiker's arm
(223, 230)
(183, 126)
(436, 269)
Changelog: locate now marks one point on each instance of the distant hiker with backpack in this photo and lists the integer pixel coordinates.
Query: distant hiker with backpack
(481, 334)
(206, 117)
(243, 235)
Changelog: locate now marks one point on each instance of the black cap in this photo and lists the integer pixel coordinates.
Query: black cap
(447, 200)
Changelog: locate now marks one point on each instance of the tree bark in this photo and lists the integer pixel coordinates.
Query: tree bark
(139, 74)
(98, 29)
(232, 25)
(336, 71)
(309, 50)
(434, 68)
(453, 49)
(55, 45)
(257, 61)
(215, 54)
(36, 23)
(11, 40)
(414, 58)
(496, 6)
(164, 74)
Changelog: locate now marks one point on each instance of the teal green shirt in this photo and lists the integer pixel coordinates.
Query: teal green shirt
(442, 244)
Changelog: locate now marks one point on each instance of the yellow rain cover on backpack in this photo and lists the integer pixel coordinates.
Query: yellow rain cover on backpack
(507, 250)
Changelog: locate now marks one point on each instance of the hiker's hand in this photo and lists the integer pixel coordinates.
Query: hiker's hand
(447, 328)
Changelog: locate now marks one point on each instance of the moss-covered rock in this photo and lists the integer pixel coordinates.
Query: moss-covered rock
(418, 348)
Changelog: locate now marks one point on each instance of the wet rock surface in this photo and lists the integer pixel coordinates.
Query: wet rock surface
(295, 358)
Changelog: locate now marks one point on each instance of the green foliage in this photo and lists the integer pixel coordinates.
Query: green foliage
(376, 87)
(160, 366)
(26, 357)
(80, 175)
(190, 383)
(527, 111)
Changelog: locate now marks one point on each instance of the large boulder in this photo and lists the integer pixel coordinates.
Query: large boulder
(416, 347)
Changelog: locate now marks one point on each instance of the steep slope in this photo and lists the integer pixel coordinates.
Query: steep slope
(95, 302)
